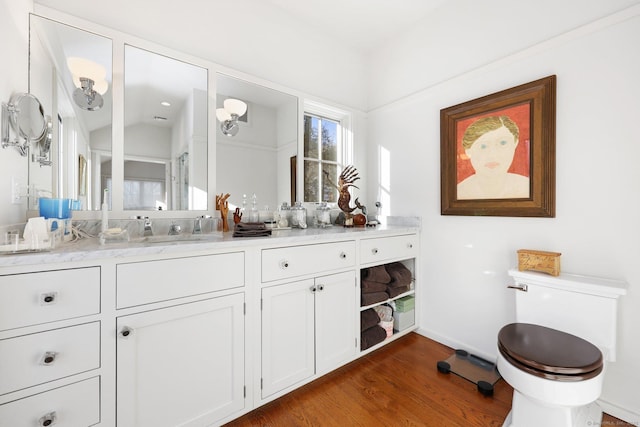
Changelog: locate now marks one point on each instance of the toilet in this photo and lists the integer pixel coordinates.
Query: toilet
(555, 354)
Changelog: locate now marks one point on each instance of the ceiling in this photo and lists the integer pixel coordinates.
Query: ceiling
(361, 24)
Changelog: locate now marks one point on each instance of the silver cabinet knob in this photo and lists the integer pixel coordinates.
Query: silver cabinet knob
(126, 332)
(47, 419)
(48, 358)
(48, 298)
(284, 264)
(410, 245)
(313, 288)
(320, 287)
(343, 255)
(374, 251)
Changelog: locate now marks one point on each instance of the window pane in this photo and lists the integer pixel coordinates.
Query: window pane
(311, 125)
(329, 191)
(144, 195)
(329, 140)
(311, 181)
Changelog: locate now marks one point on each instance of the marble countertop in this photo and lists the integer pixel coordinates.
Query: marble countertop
(89, 249)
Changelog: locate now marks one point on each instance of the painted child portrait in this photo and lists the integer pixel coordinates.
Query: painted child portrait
(493, 155)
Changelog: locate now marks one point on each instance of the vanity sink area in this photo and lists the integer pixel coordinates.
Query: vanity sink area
(127, 299)
(145, 258)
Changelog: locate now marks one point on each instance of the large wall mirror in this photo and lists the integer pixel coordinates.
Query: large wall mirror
(158, 158)
(165, 133)
(62, 61)
(258, 159)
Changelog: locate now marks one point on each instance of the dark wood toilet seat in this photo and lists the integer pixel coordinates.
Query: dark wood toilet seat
(549, 353)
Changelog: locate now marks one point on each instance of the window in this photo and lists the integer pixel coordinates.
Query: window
(327, 149)
(321, 144)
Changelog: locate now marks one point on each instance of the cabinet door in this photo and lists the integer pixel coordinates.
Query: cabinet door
(182, 365)
(287, 335)
(335, 320)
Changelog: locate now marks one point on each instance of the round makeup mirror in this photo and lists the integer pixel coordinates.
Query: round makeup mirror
(28, 119)
(25, 116)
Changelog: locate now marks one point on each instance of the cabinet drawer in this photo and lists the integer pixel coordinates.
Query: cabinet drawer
(283, 263)
(152, 281)
(388, 248)
(76, 404)
(36, 298)
(38, 358)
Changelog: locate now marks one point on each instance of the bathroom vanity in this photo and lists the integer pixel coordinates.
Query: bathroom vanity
(183, 333)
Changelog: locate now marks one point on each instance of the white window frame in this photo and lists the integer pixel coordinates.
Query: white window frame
(345, 138)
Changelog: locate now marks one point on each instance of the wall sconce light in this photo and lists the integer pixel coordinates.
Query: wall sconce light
(229, 115)
(90, 80)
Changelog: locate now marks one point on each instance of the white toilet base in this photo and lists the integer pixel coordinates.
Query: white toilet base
(527, 412)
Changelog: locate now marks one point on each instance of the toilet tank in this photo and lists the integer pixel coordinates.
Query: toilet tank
(580, 305)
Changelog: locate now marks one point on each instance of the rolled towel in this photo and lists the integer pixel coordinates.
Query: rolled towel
(373, 297)
(372, 336)
(368, 286)
(368, 319)
(376, 274)
(400, 275)
(395, 291)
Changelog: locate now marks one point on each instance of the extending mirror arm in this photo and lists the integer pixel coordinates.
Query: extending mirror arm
(22, 147)
(44, 145)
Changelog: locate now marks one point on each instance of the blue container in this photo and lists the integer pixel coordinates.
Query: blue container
(54, 208)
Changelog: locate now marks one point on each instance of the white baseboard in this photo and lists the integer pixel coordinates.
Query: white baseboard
(619, 412)
(456, 345)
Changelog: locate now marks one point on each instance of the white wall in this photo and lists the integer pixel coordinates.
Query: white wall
(14, 45)
(249, 36)
(465, 259)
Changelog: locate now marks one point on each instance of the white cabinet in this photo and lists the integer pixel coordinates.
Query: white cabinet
(308, 327)
(288, 262)
(34, 359)
(147, 282)
(188, 336)
(50, 343)
(47, 296)
(381, 249)
(181, 365)
(72, 405)
(389, 253)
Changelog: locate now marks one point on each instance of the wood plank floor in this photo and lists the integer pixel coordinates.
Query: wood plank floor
(397, 385)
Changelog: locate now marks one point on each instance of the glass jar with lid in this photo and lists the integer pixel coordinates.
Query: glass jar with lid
(323, 215)
(298, 216)
(284, 215)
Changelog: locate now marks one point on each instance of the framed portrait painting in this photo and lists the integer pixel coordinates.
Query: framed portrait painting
(497, 153)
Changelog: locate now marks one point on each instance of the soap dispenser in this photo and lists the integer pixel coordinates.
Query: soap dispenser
(105, 212)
